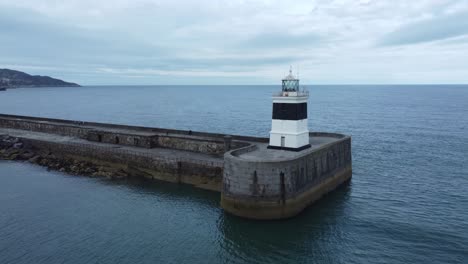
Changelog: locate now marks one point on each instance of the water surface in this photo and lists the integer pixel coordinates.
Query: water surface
(407, 202)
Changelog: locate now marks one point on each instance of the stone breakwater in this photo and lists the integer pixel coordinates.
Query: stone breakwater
(12, 148)
(254, 181)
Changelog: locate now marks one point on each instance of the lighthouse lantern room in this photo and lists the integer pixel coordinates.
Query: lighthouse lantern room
(289, 128)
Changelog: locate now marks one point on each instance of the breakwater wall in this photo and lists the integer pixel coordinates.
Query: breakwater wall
(254, 181)
(270, 188)
(201, 142)
(203, 173)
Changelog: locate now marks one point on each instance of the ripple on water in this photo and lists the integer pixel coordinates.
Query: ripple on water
(406, 203)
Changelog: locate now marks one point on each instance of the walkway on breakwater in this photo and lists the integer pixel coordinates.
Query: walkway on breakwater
(113, 128)
(179, 156)
(158, 153)
(263, 154)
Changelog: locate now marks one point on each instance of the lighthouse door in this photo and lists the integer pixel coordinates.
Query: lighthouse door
(282, 141)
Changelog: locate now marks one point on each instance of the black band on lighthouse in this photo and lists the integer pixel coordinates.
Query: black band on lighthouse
(288, 111)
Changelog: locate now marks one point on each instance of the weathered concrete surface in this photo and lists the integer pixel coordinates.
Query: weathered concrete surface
(121, 135)
(263, 154)
(165, 154)
(13, 148)
(202, 170)
(262, 183)
(267, 209)
(200, 142)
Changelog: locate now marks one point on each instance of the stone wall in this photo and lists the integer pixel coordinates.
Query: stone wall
(45, 127)
(263, 179)
(207, 146)
(120, 138)
(201, 142)
(250, 183)
(19, 118)
(203, 174)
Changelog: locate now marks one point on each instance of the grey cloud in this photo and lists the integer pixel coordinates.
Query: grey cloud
(66, 39)
(29, 38)
(275, 40)
(28, 35)
(227, 63)
(438, 28)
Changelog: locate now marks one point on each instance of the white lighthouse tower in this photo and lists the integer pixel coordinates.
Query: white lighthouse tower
(289, 129)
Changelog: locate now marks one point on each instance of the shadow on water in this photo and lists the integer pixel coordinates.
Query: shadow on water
(168, 190)
(274, 240)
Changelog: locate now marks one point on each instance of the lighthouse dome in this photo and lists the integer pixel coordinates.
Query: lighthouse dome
(290, 76)
(290, 83)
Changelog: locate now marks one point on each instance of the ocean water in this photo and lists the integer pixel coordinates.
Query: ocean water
(407, 201)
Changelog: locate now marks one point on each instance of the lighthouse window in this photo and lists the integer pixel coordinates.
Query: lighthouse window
(290, 85)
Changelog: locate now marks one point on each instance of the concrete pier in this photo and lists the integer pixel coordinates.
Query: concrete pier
(254, 181)
(262, 183)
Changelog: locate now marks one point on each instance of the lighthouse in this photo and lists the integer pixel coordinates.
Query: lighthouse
(289, 128)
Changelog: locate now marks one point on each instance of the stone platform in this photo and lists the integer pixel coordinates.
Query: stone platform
(262, 183)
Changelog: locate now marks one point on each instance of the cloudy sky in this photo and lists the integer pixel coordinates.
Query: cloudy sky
(237, 42)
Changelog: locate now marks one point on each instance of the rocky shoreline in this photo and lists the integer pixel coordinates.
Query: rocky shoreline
(13, 148)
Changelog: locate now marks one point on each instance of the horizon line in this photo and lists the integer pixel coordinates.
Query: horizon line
(317, 84)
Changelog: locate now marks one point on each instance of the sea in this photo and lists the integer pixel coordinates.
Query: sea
(407, 201)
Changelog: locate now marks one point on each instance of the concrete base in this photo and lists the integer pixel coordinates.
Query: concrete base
(134, 162)
(264, 183)
(269, 210)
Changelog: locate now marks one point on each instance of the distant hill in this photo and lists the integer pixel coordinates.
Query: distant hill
(15, 79)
